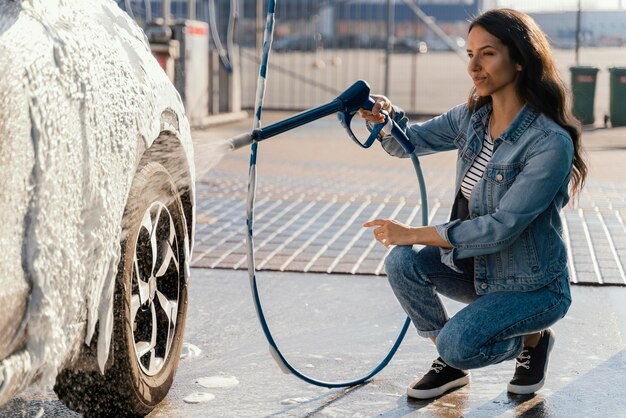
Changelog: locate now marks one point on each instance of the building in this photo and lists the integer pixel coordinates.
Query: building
(597, 28)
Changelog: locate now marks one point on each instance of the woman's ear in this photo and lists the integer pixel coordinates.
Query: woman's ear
(518, 67)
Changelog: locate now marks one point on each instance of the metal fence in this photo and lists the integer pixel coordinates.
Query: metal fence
(410, 50)
(322, 46)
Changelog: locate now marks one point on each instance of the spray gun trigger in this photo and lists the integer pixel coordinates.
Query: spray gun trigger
(345, 118)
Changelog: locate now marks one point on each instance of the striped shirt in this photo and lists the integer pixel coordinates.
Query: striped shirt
(475, 172)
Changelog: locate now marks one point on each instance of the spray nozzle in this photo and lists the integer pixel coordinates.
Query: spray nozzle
(240, 141)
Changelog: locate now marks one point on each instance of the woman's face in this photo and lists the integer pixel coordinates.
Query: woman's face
(490, 65)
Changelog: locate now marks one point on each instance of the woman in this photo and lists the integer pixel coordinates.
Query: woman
(502, 252)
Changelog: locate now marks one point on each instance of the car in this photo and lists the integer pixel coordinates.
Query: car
(97, 209)
(438, 44)
(300, 42)
(347, 41)
(410, 45)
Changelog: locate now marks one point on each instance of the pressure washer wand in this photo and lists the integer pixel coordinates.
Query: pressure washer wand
(346, 104)
(286, 125)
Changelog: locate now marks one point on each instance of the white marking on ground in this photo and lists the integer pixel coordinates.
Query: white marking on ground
(356, 236)
(265, 226)
(612, 247)
(592, 254)
(298, 232)
(373, 242)
(337, 234)
(286, 225)
(570, 255)
(318, 233)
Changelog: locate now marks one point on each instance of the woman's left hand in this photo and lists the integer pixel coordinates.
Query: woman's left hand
(391, 232)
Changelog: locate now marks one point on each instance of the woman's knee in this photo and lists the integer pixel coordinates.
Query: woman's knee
(399, 260)
(456, 351)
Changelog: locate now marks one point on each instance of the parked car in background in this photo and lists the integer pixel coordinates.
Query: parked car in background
(437, 44)
(348, 41)
(299, 42)
(410, 45)
(96, 208)
(307, 42)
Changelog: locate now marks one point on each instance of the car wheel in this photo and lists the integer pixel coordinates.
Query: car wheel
(150, 307)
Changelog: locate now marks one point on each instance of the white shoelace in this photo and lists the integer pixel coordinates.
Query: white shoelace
(523, 360)
(438, 366)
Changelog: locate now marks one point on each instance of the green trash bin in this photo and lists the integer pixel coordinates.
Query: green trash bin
(584, 89)
(617, 102)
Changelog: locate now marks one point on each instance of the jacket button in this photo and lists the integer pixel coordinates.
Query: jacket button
(499, 177)
(484, 286)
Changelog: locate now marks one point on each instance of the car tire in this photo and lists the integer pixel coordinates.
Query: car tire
(150, 307)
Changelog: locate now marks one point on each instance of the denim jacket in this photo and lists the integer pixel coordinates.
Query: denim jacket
(512, 226)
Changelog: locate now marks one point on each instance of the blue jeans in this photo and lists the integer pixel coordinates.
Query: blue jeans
(490, 328)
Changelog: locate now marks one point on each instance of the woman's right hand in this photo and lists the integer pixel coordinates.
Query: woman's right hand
(374, 115)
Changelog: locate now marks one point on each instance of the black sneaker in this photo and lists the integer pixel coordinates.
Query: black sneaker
(531, 366)
(439, 379)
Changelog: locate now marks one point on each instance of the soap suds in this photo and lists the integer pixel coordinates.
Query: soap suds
(199, 397)
(218, 382)
(293, 401)
(190, 351)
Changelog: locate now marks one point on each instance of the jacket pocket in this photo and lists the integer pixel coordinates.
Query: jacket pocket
(502, 174)
(499, 178)
(530, 250)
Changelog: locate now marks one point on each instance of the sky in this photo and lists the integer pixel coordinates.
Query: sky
(556, 5)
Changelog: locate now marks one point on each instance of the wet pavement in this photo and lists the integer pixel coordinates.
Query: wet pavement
(337, 327)
(315, 189)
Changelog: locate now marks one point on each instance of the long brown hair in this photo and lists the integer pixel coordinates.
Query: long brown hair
(538, 83)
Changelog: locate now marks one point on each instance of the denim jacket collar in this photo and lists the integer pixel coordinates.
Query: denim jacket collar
(524, 118)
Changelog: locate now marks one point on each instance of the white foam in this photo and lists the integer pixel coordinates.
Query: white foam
(190, 351)
(199, 397)
(316, 356)
(218, 382)
(293, 401)
(81, 99)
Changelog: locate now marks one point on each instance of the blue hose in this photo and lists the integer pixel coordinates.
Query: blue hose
(346, 105)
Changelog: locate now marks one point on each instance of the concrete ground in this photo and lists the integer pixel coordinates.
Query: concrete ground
(335, 327)
(338, 326)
